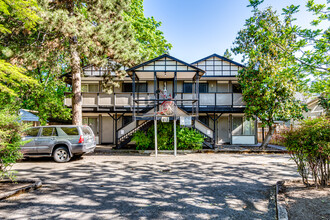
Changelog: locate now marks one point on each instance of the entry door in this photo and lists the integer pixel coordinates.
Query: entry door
(223, 130)
(168, 85)
(46, 140)
(107, 130)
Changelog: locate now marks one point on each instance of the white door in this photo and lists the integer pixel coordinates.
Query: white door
(223, 130)
(107, 130)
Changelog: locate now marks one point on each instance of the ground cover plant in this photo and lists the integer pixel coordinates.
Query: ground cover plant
(309, 147)
(187, 138)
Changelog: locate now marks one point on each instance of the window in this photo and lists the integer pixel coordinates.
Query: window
(48, 132)
(141, 87)
(237, 125)
(89, 87)
(70, 130)
(127, 120)
(237, 88)
(203, 88)
(204, 120)
(241, 126)
(188, 87)
(32, 132)
(92, 123)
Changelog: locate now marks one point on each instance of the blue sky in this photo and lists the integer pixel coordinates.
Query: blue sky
(198, 28)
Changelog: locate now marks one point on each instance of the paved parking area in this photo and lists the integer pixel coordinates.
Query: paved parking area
(195, 186)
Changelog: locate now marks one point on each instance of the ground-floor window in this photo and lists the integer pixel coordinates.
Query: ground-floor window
(92, 123)
(241, 126)
(127, 120)
(204, 119)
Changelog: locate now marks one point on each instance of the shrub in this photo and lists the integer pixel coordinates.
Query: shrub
(309, 147)
(187, 138)
(10, 140)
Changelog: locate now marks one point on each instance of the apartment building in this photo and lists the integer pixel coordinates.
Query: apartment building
(206, 91)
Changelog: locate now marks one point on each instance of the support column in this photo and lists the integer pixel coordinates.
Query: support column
(133, 90)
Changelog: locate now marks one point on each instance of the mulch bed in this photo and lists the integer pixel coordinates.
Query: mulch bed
(305, 203)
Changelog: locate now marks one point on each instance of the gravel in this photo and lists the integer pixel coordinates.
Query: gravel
(194, 186)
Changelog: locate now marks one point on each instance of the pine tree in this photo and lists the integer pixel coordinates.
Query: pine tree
(71, 32)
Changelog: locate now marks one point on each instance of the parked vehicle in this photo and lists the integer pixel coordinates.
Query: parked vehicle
(61, 142)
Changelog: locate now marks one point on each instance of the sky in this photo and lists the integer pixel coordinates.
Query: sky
(199, 28)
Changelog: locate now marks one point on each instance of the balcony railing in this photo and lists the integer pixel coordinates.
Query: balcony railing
(126, 99)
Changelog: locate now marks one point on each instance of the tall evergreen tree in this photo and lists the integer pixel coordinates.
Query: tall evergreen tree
(72, 31)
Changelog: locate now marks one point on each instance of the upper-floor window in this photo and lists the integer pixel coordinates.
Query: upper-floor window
(90, 87)
(141, 87)
(188, 87)
(237, 88)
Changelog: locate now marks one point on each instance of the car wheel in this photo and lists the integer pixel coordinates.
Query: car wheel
(61, 155)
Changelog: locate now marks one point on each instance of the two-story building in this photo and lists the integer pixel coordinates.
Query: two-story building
(206, 89)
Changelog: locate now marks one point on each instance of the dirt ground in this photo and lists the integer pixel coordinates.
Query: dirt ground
(306, 203)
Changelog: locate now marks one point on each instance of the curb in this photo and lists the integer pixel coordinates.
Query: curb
(184, 152)
(34, 185)
(281, 213)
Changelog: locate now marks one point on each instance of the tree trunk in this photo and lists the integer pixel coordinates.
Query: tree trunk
(269, 135)
(76, 83)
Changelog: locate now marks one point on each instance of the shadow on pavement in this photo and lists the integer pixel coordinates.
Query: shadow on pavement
(237, 188)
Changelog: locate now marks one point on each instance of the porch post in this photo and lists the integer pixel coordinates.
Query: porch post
(133, 89)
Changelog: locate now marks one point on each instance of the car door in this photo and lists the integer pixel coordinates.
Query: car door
(46, 140)
(30, 135)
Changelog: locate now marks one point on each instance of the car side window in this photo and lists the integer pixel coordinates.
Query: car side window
(48, 132)
(32, 132)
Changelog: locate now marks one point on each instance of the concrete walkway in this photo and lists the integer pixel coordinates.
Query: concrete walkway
(196, 186)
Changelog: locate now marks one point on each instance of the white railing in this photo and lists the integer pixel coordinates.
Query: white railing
(126, 99)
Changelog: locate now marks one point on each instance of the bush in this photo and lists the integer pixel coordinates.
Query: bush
(309, 147)
(10, 140)
(187, 138)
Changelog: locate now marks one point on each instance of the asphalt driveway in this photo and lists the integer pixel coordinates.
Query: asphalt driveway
(196, 186)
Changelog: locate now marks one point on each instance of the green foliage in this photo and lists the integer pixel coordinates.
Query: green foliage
(228, 54)
(271, 79)
(152, 42)
(309, 147)
(11, 131)
(19, 15)
(187, 138)
(141, 140)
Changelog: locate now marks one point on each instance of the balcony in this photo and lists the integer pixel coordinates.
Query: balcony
(125, 100)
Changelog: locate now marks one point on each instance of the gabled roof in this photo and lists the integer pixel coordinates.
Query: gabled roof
(27, 116)
(221, 57)
(163, 56)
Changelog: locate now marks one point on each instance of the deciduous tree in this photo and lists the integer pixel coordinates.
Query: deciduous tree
(271, 78)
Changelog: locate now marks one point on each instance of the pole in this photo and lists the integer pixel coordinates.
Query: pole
(156, 143)
(175, 141)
